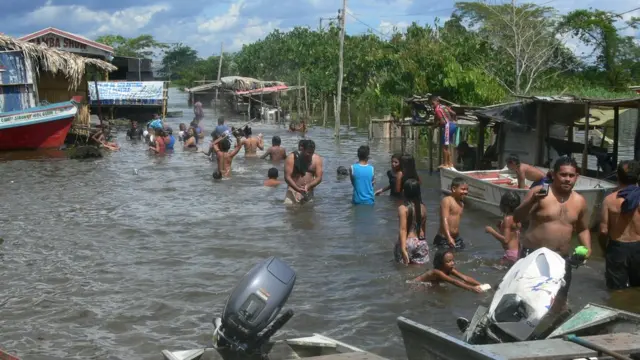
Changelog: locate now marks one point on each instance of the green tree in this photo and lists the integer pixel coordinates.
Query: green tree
(142, 46)
(617, 56)
(177, 58)
(523, 39)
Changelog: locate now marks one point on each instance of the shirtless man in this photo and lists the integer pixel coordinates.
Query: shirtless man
(223, 155)
(620, 229)
(527, 172)
(251, 144)
(451, 208)
(554, 215)
(302, 172)
(276, 152)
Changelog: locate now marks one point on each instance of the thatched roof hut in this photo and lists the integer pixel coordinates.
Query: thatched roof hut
(72, 66)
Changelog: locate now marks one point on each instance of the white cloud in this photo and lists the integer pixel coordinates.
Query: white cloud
(124, 22)
(222, 22)
(387, 27)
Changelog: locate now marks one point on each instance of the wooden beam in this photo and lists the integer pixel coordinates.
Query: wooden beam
(616, 135)
(540, 133)
(482, 125)
(585, 152)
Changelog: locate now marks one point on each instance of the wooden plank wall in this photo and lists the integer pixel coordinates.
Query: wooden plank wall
(55, 88)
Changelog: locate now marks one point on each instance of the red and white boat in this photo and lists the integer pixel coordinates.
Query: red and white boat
(41, 127)
(486, 188)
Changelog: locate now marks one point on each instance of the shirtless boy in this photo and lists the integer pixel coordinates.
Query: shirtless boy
(620, 229)
(554, 215)
(251, 144)
(223, 155)
(276, 152)
(302, 172)
(527, 172)
(272, 178)
(451, 208)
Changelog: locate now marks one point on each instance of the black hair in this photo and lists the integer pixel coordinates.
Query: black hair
(564, 161)
(221, 120)
(247, 131)
(342, 171)
(301, 144)
(509, 202)
(457, 182)
(225, 145)
(272, 173)
(513, 158)
(217, 175)
(397, 156)
(194, 124)
(408, 166)
(413, 196)
(214, 134)
(363, 153)
(628, 172)
(433, 98)
(308, 145)
(438, 258)
(276, 141)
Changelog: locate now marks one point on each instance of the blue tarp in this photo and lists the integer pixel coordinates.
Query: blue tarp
(14, 68)
(14, 82)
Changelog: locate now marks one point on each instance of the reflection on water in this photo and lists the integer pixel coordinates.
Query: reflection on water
(104, 262)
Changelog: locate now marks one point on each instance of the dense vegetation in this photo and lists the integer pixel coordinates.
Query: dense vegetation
(482, 55)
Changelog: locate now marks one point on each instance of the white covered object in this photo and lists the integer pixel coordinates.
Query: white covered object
(536, 279)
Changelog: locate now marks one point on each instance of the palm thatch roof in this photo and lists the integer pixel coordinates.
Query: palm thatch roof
(72, 66)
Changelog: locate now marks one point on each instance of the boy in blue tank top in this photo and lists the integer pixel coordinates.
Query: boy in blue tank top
(362, 178)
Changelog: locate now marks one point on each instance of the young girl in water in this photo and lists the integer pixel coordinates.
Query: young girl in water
(509, 235)
(392, 175)
(407, 171)
(412, 248)
(444, 271)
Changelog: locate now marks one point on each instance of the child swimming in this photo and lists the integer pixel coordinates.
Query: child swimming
(444, 271)
(509, 229)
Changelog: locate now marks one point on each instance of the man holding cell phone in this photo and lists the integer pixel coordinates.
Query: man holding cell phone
(554, 211)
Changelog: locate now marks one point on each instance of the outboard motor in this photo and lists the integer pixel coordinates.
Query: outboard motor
(249, 316)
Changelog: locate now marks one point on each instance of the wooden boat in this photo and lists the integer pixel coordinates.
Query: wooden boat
(486, 187)
(316, 346)
(175, 113)
(605, 327)
(41, 127)
(6, 356)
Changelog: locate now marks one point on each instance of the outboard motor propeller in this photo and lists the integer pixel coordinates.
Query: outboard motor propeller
(249, 316)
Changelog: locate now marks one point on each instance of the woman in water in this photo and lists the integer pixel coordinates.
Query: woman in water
(392, 174)
(509, 235)
(412, 248)
(159, 146)
(190, 139)
(444, 271)
(407, 171)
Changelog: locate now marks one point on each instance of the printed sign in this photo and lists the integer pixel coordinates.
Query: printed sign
(35, 115)
(127, 92)
(65, 44)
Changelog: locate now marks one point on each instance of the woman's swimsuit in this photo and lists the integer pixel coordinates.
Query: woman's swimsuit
(417, 249)
(392, 183)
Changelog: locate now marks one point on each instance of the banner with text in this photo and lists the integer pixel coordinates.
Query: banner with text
(127, 92)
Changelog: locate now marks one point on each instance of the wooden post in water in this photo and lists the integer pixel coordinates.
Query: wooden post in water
(440, 132)
(430, 132)
(343, 17)
(585, 153)
(324, 113)
(349, 112)
(306, 102)
(616, 136)
(219, 73)
(95, 83)
(299, 96)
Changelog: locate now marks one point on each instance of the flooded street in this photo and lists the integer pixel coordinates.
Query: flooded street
(101, 261)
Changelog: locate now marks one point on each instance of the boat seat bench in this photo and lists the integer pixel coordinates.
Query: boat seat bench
(623, 343)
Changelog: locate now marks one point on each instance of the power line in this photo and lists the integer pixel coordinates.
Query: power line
(367, 25)
(628, 11)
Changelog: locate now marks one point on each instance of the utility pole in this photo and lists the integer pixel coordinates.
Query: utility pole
(342, 16)
(219, 69)
(328, 18)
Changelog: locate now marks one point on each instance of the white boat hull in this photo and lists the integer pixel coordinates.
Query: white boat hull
(486, 187)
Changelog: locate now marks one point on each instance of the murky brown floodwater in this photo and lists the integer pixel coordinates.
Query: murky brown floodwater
(101, 263)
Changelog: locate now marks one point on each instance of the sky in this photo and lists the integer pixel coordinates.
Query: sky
(205, 24)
